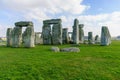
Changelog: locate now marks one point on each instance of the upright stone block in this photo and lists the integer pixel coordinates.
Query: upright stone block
(38, 38)
(90, 38)
(9, 37)
(105, 36)
(65, 36)
(52, 34)
(47, 34)
(81, 33)
(28, 37)
(75, 35)
(57, 34)
(96, 39)
(16, 37)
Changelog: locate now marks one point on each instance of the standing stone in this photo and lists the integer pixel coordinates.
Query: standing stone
(65, 37)
(75, 35)
(57, 34)
(16, 37)
(96, 39)
(70, 37)
(28, 37)
(46, 32)
(90, 38)
(9, 37)
(81, 33)
(52, 34)
(105, 36)
(38, 39)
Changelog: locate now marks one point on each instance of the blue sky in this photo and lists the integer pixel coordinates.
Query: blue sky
(92, 13)
(101, 6)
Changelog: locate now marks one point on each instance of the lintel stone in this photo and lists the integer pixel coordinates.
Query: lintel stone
(52, 21)
(24, 24)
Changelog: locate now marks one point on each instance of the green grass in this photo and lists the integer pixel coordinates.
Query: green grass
(93, 62)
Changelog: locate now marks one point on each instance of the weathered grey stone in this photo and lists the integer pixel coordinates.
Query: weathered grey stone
(52, 35)
(97, 39)
(55, 49)
(38, 38)
(81, 33)
(23, 23)
(105, 36)
(9, 37)
(65, 37)
(28, 37)
(57, 34)
(70, 49)
(70, 37)
(90, 38)
(47, 34)
(16, 37)
(75, 35)
(52, 21)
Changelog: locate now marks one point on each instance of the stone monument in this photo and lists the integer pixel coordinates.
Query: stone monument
(81, 33)
(65, 36)
(52, 34)
(75, 35)
(105, 36)
(9, 37)
(90, 38)
(27, 37)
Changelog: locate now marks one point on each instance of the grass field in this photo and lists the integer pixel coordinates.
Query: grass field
(93, 62)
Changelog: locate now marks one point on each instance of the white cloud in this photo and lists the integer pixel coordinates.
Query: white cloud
(95, 22)
(67, 10)
(47, 6)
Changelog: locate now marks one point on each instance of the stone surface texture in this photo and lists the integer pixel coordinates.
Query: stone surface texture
(17, 37)
(90, 38)
(28, 37)
(70, 49)
(38, 38)
(65, 36)
(24, 23)
(55, 49)
(75, 35)
(9, 37)
(105, 36)
(81, 33)
(52, 34)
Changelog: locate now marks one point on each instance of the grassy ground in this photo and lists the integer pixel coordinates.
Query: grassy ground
(94, 62)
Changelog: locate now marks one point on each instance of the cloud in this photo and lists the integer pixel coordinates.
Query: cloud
(47, 6)
(95, 22)
(67, 10)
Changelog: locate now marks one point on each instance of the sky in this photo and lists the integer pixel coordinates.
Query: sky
(92, 13)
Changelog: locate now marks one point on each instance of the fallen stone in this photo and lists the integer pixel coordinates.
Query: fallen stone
(55, 49)
(70, 49)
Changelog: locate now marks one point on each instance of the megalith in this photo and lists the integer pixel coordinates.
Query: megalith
(96, 39)
(9, 37)
(52, 31)
(90, 38)
(57, 34)
(65, 36)
(27, 38)
(105, 36)
(81, 33)
(75, 34)
(16, 36)
(38, 38)
(47, 35)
